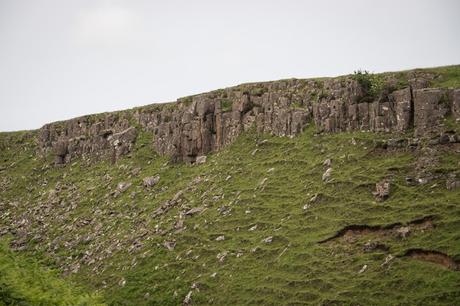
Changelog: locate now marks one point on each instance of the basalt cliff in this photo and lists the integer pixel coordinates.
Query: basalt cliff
(197, 125)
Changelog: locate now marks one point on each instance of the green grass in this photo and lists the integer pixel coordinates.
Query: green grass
(293, 269)
(449, 76)
(24, 281)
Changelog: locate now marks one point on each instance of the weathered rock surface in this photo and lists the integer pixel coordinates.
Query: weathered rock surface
(194, 126)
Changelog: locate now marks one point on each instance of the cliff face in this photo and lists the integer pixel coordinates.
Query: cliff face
(197, 125)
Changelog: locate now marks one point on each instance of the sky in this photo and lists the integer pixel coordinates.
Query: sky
(61, 59)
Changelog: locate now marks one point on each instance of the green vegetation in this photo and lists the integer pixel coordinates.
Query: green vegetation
(226, 105)
(24, 282)
(247, 197)
(371, 83)
(448, 76)
(186, 100)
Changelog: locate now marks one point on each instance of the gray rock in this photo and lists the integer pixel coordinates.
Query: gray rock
(194, 211)
(151, 181)
(123, 186)
(188, 299)
(200, 160)
(267, 240)
(327, 175)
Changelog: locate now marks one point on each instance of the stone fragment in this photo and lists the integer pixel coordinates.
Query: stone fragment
(151, 181)
(200, 159)
(194, 210)
(364, 268)
(388, 259)
(327, 175)
(382, 191)
(170, 245)
(403, 232)
(221, 256)
(267, 240)
(123, 186)
(188, 299)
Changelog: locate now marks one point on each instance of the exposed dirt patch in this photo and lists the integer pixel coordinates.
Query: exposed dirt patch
(434, 257)
(398, 229)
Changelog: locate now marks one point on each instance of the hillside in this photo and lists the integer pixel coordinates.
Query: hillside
(341, 191)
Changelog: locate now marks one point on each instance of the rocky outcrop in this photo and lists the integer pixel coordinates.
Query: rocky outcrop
(197, 125)
(105, 136)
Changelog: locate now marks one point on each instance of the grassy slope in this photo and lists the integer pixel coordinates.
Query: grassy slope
(25, 282)
(293, 269)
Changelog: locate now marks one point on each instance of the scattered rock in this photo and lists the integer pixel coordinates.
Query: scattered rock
(151, 181)
(403, 231)
(388, 259)
(179, 223)
(214, 274)
(269, 239)
(253, 228)
(314, 198)
(200, 159)
(136, 171)
(123, 186)
(122, 282)
(221, 256)
(382, 191)
(194, 210)
(188, 298)
(327, 163)
(371, 246)
(364, 268)
(170, 245)
(327, 175)
(422, 180)
(220, 238)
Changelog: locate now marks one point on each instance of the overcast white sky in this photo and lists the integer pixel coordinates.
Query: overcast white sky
(60, 58)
